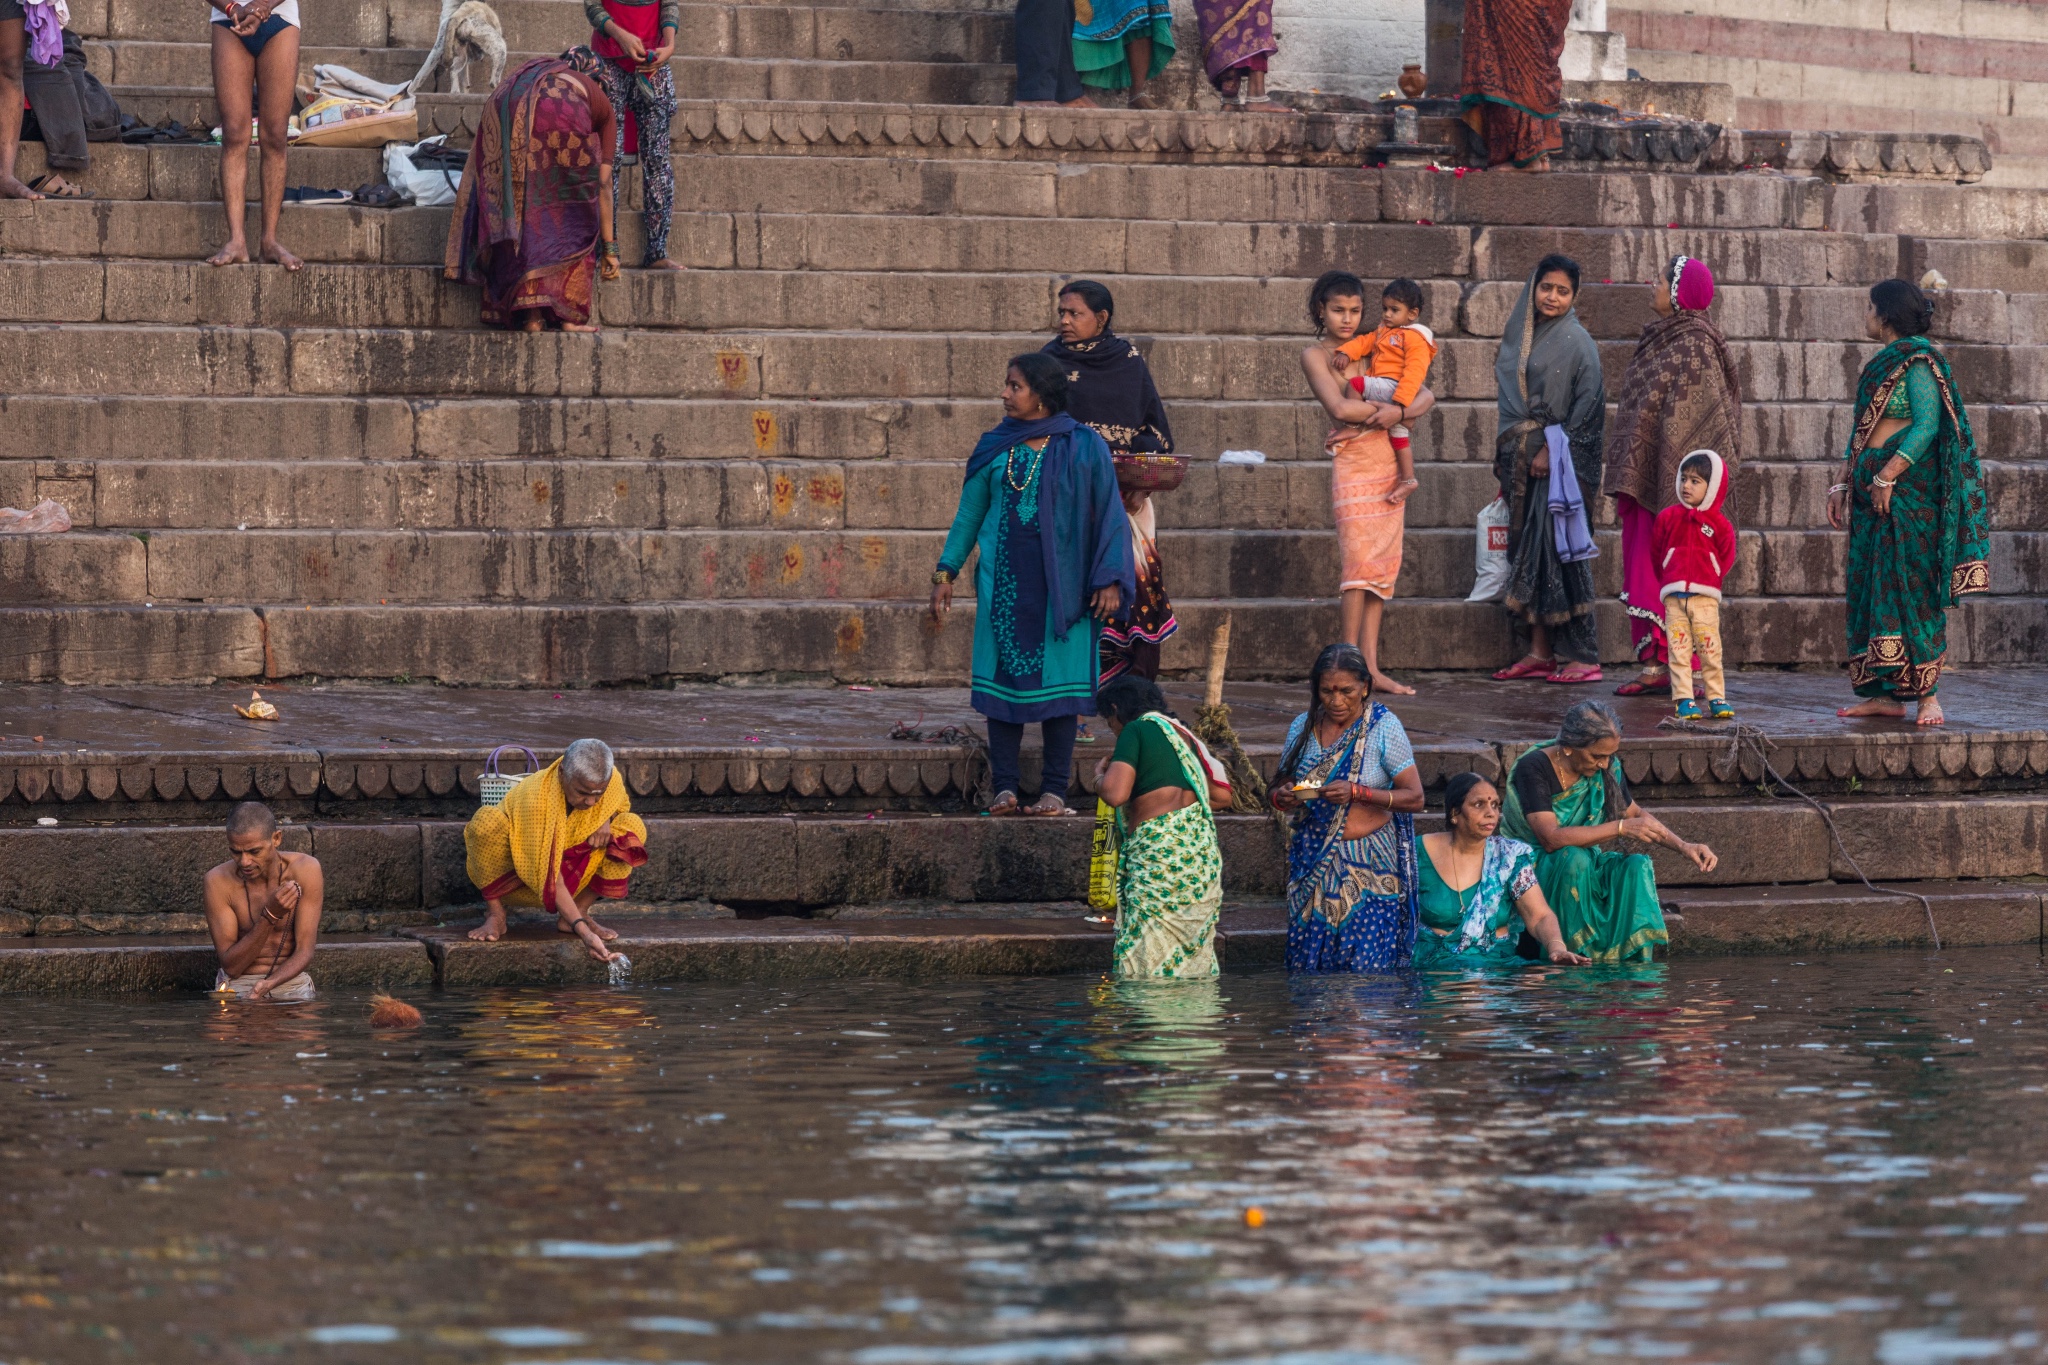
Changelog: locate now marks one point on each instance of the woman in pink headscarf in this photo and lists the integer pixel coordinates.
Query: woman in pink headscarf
(1680, 394)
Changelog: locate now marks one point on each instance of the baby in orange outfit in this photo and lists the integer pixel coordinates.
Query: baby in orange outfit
(1390, 363)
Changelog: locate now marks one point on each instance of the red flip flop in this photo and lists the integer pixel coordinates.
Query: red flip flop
(1526, 667)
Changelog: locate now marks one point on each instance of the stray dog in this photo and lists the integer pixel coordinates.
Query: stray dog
(469, 32)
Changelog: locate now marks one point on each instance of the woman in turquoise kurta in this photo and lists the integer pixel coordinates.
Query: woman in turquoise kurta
(1913, 497)
(1478, 891)
(1041, 507)
(1119, 43)
(1567, 797)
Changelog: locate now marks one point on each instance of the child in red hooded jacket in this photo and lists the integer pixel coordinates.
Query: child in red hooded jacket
(1694, 545)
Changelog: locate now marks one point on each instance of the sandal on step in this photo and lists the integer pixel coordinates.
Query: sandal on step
(1576, 673)
(1660, 686)
(1528, 666)
(1004, 804)
(1048, 805)
(54, 186)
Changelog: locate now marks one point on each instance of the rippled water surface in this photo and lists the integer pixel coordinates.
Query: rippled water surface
(1840, 1159)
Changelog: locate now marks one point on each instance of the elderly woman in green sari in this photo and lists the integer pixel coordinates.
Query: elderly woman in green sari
(1479, 897)
(1913, 498)
(1163, 785)
(1567, 797)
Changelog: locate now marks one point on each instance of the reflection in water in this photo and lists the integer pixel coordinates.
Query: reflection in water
(1755, 1159)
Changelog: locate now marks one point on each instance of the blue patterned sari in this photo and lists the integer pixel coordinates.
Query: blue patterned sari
(1350, 902)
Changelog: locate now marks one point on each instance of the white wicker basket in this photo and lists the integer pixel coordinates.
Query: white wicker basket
(492, 785)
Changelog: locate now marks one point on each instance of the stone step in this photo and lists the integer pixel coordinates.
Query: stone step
(411, 872)
(763, 495)
(529, 25)
(856, 641)
(782, 32)
(348, 566)
(255, 362)
(664, 430)
(34, 289)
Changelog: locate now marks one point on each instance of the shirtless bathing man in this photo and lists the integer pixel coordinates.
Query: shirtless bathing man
(263, 910)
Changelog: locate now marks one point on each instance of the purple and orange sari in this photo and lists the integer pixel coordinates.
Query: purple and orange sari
(1237, 36)
(526, 216)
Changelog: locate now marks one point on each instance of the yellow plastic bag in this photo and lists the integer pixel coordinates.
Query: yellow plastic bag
(1102, 859)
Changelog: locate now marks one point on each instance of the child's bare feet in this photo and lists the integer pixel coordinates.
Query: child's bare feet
(1403, 491)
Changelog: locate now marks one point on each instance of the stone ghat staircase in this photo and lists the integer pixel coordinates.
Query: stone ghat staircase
(750, 471)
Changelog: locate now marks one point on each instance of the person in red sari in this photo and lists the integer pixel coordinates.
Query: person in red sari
(533, 218)
(1511, 86)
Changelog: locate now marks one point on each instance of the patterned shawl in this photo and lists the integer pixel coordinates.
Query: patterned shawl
(1952, 460)
(1110, 388)
(1505, 876)
(1680, 394)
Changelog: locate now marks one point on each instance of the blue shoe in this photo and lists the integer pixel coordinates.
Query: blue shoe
(1719, 709)
(1687, 710)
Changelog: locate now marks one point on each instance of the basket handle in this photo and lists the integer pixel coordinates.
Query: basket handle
(532, 761)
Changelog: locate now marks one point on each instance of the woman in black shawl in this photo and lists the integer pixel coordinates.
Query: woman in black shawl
(1109, 388)
(1548, 374)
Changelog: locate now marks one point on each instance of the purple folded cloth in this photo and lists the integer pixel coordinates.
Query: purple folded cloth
(45, 32)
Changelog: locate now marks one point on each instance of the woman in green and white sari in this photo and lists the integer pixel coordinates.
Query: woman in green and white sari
(1567, 797)
(1161, 783)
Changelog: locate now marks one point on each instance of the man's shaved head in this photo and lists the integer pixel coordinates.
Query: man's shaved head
(251, 818)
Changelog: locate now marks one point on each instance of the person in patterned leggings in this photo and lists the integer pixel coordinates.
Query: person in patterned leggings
(636, 39)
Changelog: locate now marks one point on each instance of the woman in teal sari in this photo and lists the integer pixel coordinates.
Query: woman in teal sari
(1479, 899)
(1567, 797)
(1913, 498)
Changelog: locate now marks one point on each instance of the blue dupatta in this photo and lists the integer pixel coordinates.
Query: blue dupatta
(1351, 903)
(1089, 545)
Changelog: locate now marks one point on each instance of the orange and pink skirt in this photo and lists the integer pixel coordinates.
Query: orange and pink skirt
(1362, 477)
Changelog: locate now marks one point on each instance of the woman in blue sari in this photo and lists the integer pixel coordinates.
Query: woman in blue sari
(1349, 775)
(1479, 898)
(1040, 504)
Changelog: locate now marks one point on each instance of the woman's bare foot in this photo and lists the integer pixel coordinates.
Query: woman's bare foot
(236, 252)
(492, 929)
(664, 263)
(1876, 706)
(1082, 103)
(10, 188)
(275, 254)
(1382, 683)
(579, 327)
(572, 926)
(1929, 712)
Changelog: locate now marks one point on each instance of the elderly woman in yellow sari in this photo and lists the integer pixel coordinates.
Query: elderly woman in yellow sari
(559, 840)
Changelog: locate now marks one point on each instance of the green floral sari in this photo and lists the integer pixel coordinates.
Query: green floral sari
(1169, 880)
(1606, 902)
(1907, 566)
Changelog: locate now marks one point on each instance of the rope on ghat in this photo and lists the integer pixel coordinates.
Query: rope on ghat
(1753, 738)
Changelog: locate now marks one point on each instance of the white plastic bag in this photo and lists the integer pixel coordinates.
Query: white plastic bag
(46, 516)
(1490, 553)
(428, 187)
(1242, 457)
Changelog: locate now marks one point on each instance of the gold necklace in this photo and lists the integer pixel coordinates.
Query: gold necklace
(1010, 467)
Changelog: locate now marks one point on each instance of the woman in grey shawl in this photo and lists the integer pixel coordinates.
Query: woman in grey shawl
(1548, 374)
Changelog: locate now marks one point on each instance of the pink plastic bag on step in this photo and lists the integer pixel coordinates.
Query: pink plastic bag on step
(47, 515)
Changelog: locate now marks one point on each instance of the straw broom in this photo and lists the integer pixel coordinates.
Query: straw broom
(1212, 725)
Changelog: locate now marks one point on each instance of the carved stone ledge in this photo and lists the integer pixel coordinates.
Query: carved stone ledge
(1854, 156)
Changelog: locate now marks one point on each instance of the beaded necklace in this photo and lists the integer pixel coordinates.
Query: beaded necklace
(1010, 467)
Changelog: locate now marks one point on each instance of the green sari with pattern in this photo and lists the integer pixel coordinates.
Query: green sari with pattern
(1169, 891)
(1929, 550)
(1605, 901)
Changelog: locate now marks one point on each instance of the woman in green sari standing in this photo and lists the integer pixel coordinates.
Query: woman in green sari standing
(1164, 786)
(1567, 797)
(1913, 499)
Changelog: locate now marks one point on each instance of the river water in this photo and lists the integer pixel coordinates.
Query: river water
(1817, 1160)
